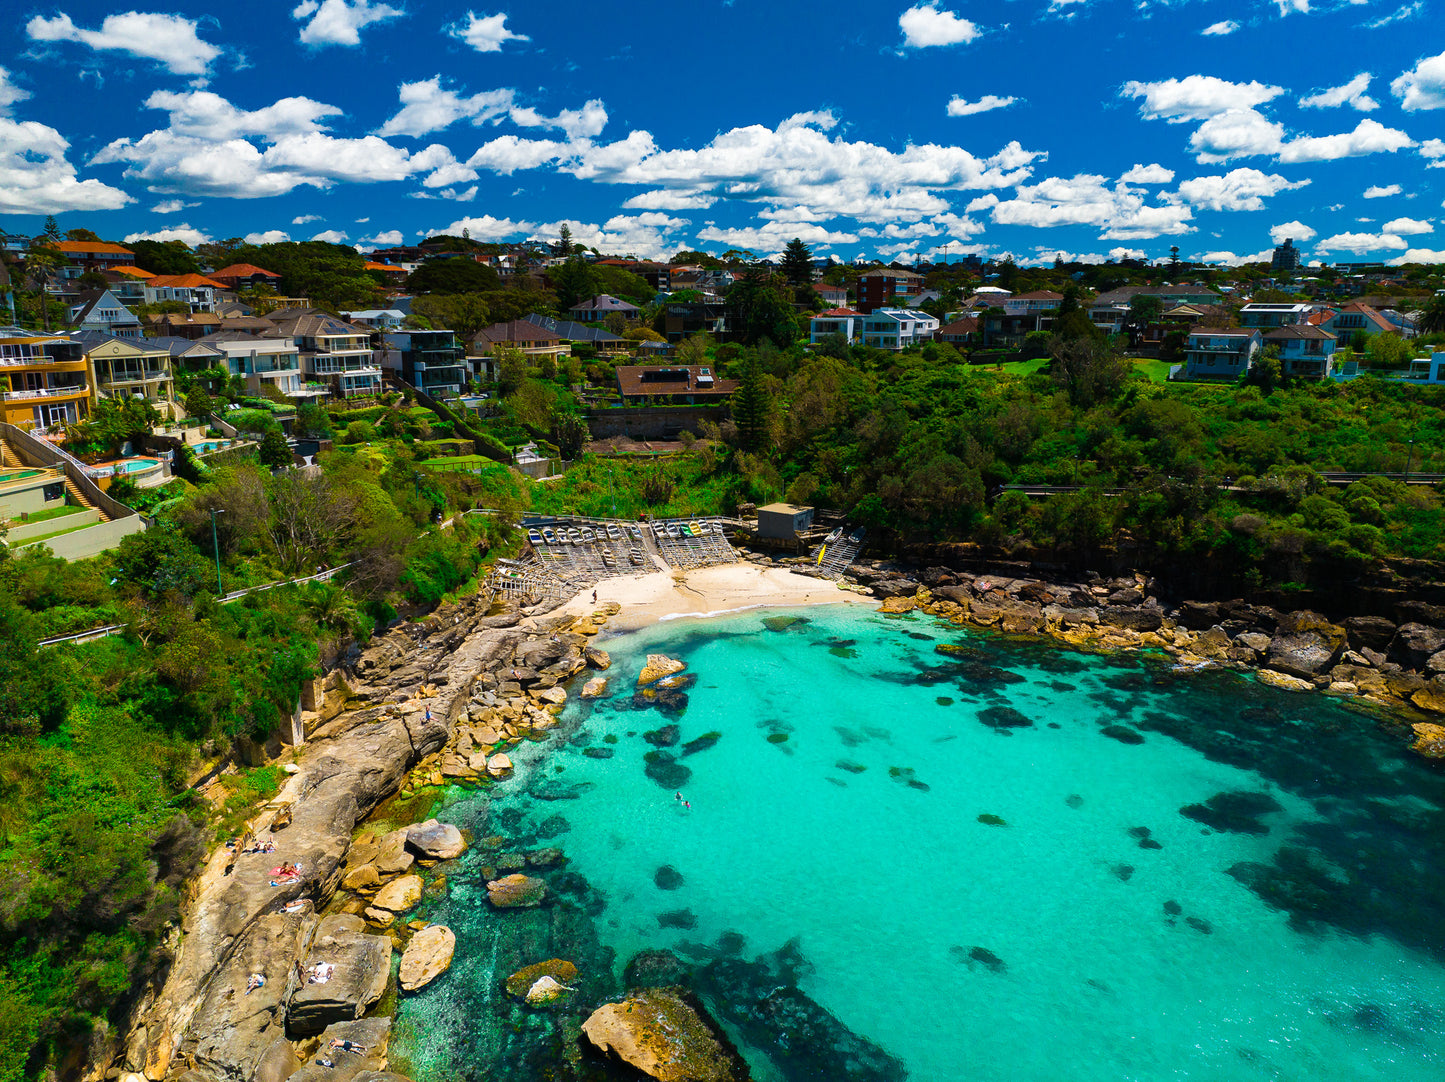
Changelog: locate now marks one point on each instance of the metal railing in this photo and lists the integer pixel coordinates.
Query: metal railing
(47, 392)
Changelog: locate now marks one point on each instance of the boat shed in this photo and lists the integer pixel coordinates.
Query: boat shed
(783, 520)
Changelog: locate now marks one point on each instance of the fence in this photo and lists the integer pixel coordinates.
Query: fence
(34, 448)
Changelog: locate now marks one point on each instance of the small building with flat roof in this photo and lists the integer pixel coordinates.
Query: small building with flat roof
(784, 521)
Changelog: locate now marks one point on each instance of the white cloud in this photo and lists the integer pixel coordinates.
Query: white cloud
(1351, 94)
(1148, 174)
(167, 39)
(303, 219)
(1423, 86)
(1419, 255)
(507, 153)
(1236, 133)
(924, 25)
(1291, 231)
(1382, 191)
(36, 178)
(1126, 253)
(1408, 227)
(1400, 14)
(486, 228)
(182, 232)
(773, 237)
(1369, 137)
(1220, 29)
(1196, 97)
(1087, 200)
(959, 107)
(1432, 148)
(1360, 243)
(1239, 189)
(663, 199)
(652, 235)
(1286, 6)
(270, 236)
(205, 115)
(9, 93)
(339, 22)
(584, 123)
(486, 33)
(172, 206)
(386, 239)
(331, 236)
(427, 106)
(1229, 259)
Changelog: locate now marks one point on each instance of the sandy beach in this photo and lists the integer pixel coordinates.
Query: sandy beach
(708, 591)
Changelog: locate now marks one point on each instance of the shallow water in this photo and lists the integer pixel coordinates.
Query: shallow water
(963, 868)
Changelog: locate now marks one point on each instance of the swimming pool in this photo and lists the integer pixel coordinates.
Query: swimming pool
(135, 465)
(205, 447)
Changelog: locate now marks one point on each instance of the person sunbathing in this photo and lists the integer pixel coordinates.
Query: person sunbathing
(344, 1045)
(256, 980)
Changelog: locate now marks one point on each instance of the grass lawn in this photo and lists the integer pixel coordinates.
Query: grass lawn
(1158, 371)
(1016, 368)
(49, 513)
(463, 462)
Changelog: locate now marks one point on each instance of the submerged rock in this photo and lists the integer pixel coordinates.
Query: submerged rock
(1122, 733)
(667, 878)
(782, 623)
(595, 688)
(664, 769)
(654, 969)
(1235, 812)
(701, 743)
(516, 891)
(436, 841)
(664, 1036)
(1004, 717)
(664, 737)
(525, 979)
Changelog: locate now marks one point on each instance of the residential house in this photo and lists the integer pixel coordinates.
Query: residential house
(1110, 310)
(673, 384)
(431, 361)
(1427, 369)
(574, 333)
(89, 255)
(128, 283)
(101, 310)
(1034, 311)
(44, 379)
(1344, 323)
(897, 328)
(262, 362)
(130, 367)
(1274, 314)
(1305, 350)
(833, 296)
(333, 352)
(1221, 353)
(886, 287)
(960, 332)
(600, 307)
(192, 325)
(189, 355)
(195, 291)
(845, 321)
(239, 276)
(531, 338)
(383, 319)
(683, 319)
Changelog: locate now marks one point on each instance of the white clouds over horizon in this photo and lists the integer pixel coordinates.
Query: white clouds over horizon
(169, 40)
(1291, 231)
(36, 176)
(183, 233)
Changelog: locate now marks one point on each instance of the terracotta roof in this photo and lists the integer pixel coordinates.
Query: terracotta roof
(671, 379)
(385, 267)
(837, 312)
(889, 272)
(518, 330)
(80, 246)
(1038, 295)
(182, 281)
(243, 270)
(132, 272)
(958, 326)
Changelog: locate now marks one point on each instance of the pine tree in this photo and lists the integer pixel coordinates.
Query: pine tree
(752, 405)
(797, 263)
(52, 227)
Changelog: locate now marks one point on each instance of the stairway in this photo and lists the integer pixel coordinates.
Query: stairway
(78, 498)
(7, 456)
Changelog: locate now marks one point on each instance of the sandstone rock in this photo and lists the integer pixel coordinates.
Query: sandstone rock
(1341, 687)
(1131, 618)
(658, 1033)
(1436, 663)
(595, 688)
(586, 626)
(1198, 615)
(1372, 631)
(1252, 640)
(400, 894)
(436, 841)
(598, 659)
(897, 605)
(365, 877)
(379, 918)
(1305, 652)
(1283, 681)
(499, 766)
(1431, 697)
(540, 654)
(1021, 619)
(427, 956)
(393, 858)
(658, 666)
(1429, 739)
(371, 1034)
(546, 990)
(278, 1063)
(360, 965)
(555, 696)
(516, 892)
(1213, 644)
(1414, 644)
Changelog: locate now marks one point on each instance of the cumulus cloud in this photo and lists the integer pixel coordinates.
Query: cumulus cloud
(1148, 174)
(1432, 148)
(1120, 212)
(331, 236)
(1220, 29)
(1423, 86)
(507, 153)
(1382, 191)
(182, 232)
(172, 206)
(205, 115)
(1239, 189)
(584, 123)
(959, 107)
(1351, 94)
(303, 219)
(487, 229)
(339, 22)
(1369, 137)
(1236, 133)
(386, 239)
(169, 40)
(1408, 227)
(1126, 253)
(662, 199)
(428, 106)
(1229, 259)
(485, 33)
(270, 236)
(924, 25)
(1196, 97)
(651, 235)
(1291, 231)
(1360, 243)
(9, 93)
(1419, 255)
(773, 237)
(37, 178)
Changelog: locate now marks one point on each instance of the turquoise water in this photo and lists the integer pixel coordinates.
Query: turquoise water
(136, 465)
(1105, 922)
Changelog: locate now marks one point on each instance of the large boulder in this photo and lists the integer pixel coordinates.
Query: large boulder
(1414, 644)
(1429, 739)
(359, 966)
(370, 1034)
(427, 957)
(399, 895)
(598, 659)
(516, 891)
(1131, 618)
(1198, 615)
(436, 841)
(541, 653)
(1305, 645)
(657, 1032)
(1370, 632)
(394, 858)
(658, 666)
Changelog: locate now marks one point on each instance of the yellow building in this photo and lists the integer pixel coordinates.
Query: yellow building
(44, 380)
(131, 366)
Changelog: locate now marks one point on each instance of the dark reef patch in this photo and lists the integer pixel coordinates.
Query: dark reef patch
(1004, 717)
(664, 769)
(1233, 812)
(667, 878)
(1122, 733)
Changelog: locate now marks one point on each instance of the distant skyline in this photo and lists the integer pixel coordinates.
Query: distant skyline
(1076, 129)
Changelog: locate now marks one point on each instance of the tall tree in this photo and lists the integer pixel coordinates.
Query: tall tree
(752, 405)
(52, 228)
(1432, 319)
(42, 263)
(564, 240)
(575, 281)
(797, 265)
(760, 305)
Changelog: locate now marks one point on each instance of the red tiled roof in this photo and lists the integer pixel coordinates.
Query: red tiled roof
(958, 326)
(385, 267)
(1301, 330)
(243, 270)
(631, 381)
(183, 281)
(832, 312)
(81, 246)
(133, 272)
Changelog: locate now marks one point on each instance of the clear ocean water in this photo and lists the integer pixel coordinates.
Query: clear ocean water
(951, 856)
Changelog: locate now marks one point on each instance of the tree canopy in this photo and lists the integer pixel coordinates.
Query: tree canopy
(453, 276)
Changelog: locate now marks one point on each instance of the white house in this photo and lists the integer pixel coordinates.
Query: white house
(897, 328)
(192, 290)
(844, 321)
(101, 310)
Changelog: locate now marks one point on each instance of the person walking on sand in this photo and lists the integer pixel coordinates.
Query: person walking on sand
(594, 597)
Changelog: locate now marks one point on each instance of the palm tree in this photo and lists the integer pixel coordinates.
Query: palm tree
(1432, 319)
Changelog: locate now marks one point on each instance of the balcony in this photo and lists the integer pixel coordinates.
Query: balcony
(81, 390)
(147, 375)
(344, 370)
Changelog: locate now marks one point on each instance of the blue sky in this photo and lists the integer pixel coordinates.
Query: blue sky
(1092, 128)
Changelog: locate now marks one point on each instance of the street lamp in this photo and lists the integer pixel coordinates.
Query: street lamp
(1409, 454)
(215, 541)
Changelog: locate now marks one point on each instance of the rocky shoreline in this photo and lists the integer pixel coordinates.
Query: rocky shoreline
(441, 700)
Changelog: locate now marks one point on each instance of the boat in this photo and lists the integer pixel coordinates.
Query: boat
(857, 535)
(534, 536)
(574, 536)
(674, 531)
(636, 532)
(548, 535)
(614, 532)
(833, 537)
(635, 556)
